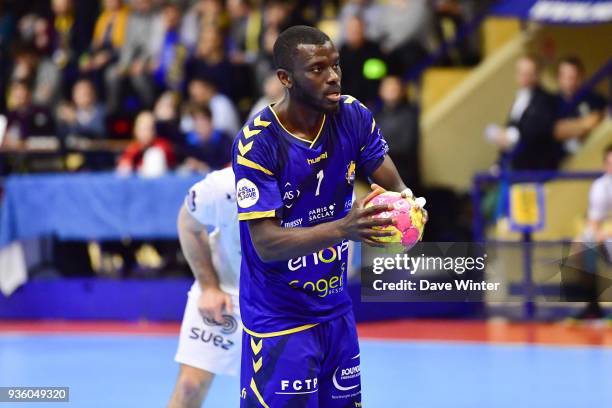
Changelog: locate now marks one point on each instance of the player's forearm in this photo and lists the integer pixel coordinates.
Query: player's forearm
(195, 246)
(387, 176)
(274, 243)
(569, 129)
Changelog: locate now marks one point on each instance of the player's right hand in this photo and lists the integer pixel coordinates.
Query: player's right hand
(358, 224)
(212, 302)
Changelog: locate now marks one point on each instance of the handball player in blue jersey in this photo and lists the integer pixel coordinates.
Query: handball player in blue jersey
(295, 164)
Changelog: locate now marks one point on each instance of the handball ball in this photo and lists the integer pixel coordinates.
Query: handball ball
(409, 219)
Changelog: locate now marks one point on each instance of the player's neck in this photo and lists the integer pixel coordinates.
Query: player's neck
(298, 118)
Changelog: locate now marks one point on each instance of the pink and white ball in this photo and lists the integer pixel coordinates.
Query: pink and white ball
(409, 217)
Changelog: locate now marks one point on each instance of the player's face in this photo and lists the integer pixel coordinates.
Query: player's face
(316, 76)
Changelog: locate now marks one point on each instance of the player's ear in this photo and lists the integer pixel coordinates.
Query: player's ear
(285, 77)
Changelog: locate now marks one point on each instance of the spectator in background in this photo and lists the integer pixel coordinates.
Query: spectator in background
(370, 13)
(405, 27)
(204, 13)
(527, 142)
(207, 148)
(273, 92)
(399, 122)
(359, 56)
(135, 56)
(71, 38)
(39, 71)
(241, 47)
(452, 17)
(167, 119)
(24, 119)
(577, 117)
(204, 93)
(264, 63)
(168, 54)
(108, 38)
(84, 117)
(148, 154)
(210, 62)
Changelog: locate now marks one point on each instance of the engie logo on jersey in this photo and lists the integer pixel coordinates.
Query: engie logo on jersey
(247, 193)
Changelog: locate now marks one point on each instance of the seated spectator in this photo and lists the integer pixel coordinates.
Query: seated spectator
(108, 38)
(210, 62)
(399, 122)
(204, 93)
(34, 68)
(452, 18)
(527, 142)
(577, 118)
(273, 92)
(135, 56)
(369, 11)
(405, 27)
(241, 47)
(24, 119)
(167, 119)
(84, 117)
(263, 65)
(71, 38)
(358, 55)
(148, 154)
(168, 53)
(207, 148)
(204, 13)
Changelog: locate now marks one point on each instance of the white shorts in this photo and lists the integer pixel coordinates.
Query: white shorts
(208, 345)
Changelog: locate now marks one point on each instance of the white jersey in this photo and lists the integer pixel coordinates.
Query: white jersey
(212, 202)
(600, 199)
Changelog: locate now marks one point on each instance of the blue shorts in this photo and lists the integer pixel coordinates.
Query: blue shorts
(317, 367)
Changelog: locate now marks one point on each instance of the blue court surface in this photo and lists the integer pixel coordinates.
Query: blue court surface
(138, 371)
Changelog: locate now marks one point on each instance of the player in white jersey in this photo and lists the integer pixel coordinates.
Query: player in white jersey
(211, 331)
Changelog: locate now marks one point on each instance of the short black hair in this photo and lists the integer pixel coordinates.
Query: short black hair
(573, 61)
(199, 109)
(287, 42)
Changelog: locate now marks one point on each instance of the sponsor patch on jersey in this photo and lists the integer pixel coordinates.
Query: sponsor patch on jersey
(350, 173)
(247, 193)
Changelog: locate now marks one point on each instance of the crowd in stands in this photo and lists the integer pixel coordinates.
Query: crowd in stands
(174, 80)
(544, 128)
(195, 70)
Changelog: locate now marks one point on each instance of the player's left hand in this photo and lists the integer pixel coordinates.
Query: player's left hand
(212, 302)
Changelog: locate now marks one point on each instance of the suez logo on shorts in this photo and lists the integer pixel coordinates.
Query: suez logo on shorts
(247, 193)
(227, 327)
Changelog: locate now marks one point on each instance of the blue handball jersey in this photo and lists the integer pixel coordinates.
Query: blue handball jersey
(302, 184)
